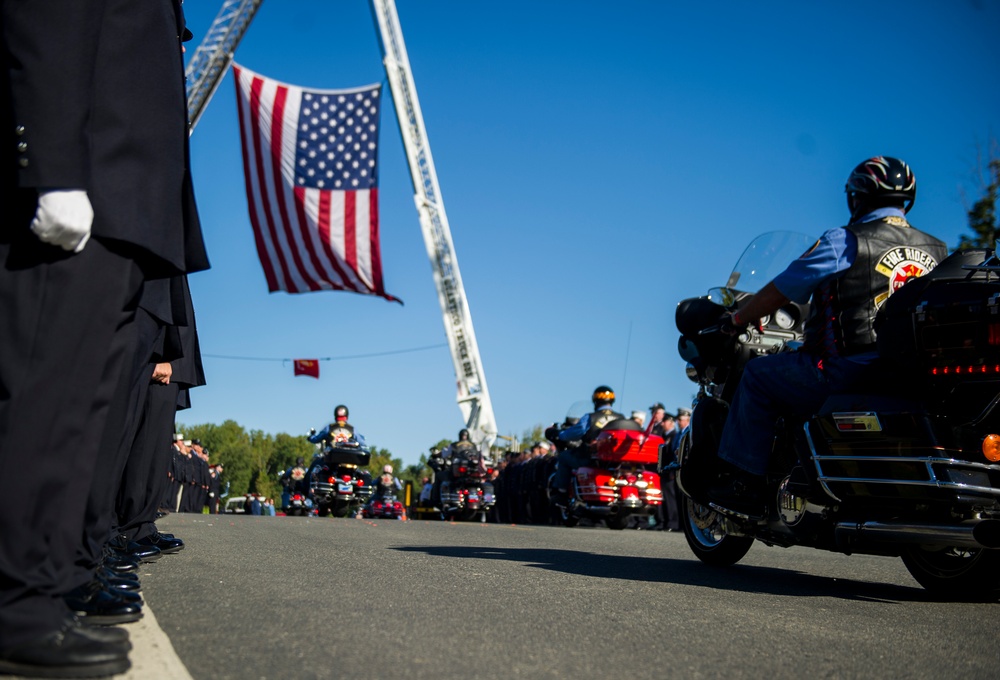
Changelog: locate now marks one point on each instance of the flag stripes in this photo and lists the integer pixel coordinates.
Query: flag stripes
(315, 228)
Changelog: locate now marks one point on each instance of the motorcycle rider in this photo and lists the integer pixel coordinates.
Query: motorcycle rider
(847, 275)
(585, 431)
(337, 432)
(387, 484)
(458, 450)
(292, 481)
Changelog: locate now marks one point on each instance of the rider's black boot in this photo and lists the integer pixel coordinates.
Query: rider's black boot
(740, 492)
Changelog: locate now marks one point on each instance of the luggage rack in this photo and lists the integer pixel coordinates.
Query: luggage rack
(911, 476)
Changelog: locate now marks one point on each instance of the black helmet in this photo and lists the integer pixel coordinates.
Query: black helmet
(463, 435)
(603, 395)
(878, 182)
(340, 412)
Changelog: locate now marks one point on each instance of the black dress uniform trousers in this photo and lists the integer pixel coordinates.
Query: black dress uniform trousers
(67, 337)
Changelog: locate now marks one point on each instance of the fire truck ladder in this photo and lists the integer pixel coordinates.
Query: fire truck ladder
(473, 396)
(211, 60)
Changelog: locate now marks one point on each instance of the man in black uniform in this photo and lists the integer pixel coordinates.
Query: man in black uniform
(145, 478)
(93, 206)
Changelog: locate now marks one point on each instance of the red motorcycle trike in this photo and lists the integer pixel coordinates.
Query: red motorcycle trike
(621, 481)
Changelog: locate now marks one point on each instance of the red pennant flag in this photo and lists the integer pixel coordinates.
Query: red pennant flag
(308, 367)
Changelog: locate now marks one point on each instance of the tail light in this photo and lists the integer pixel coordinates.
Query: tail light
(361, 482)
(462, 470)
(489, 471)
(632, 479)
(332, 480)
(346, 478)
(296, 497)
(981, 369)
(994, 334)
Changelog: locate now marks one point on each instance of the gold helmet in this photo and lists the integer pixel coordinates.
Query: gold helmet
(603, 395)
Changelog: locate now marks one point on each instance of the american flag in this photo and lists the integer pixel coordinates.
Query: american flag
(310, 160)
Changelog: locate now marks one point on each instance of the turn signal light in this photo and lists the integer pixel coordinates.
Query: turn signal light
(991, 447)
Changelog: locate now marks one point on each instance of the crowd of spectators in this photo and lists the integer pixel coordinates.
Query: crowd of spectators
(194, 483)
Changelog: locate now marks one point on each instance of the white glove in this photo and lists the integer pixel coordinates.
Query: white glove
(64, 218)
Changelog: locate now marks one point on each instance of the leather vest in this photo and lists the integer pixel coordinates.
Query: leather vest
(340, 431)
(890, 253)
(598, 419)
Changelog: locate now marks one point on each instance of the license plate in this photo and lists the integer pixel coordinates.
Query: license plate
(344, 488)
(473, 497)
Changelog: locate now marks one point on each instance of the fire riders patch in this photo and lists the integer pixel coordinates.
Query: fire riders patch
(899, 265)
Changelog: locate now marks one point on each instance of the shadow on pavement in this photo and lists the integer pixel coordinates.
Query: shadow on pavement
(748, 579)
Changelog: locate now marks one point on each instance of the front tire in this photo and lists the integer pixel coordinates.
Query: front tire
(705, 531)
(955, 573)
(341, 509)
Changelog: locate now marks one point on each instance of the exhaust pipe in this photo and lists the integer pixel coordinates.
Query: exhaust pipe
(973, 534)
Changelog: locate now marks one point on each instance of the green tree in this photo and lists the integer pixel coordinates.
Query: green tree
(529, 437)
(983, 213)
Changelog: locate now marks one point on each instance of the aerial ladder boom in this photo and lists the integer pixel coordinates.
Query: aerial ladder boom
(211, 60)
(473, 395)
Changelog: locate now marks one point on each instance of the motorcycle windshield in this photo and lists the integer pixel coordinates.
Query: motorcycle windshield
(767, 256)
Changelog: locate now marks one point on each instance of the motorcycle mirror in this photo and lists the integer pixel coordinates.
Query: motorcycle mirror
(723, 296)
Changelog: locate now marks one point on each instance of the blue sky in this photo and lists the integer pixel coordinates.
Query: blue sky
(599, 162)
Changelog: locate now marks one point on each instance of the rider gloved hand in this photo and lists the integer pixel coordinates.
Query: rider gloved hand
(64, 218)
(732, 324)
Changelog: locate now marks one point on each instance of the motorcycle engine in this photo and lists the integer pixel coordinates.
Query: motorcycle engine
(793, 509)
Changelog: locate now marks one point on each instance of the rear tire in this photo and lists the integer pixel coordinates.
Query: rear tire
(969, 575)
(616, 522)
(341, 510)
(705, 532)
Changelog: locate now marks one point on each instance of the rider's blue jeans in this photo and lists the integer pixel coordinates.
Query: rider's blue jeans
(569, 460)
(787, 384)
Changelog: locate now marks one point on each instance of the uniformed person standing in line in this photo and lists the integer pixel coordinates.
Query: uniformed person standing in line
(92, 208)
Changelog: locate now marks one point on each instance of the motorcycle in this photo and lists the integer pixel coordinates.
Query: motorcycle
(386, 507)
(469, 492)
(907, 467)
(337, 483)
(298, 505)
(620, 484)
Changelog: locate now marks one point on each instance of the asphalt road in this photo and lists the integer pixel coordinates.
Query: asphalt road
(293, 597)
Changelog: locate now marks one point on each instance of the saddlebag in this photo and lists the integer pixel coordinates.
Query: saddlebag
(627, 446)
(946, 323)
(348, 456)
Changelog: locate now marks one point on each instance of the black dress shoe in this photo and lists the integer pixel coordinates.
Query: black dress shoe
(65, 653)
(143, 553)
(96, 606)
(120, 564)
(128, 593)
(114, 576)
(101, 633)
(162, 542)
